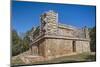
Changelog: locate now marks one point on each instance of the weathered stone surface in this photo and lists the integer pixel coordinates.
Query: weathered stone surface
(58, 47)
(82, 46)
(59, 40)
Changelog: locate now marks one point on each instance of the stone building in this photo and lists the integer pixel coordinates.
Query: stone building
(52, 39)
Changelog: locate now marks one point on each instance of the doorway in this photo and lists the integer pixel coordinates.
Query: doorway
(35, 50)
(74, 46)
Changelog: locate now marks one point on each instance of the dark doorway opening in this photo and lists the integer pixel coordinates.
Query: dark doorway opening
(74, 46)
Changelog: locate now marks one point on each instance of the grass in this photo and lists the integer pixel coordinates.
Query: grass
(83, 57)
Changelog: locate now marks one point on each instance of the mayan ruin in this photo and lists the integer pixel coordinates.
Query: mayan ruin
(44, 33)
(53, 39)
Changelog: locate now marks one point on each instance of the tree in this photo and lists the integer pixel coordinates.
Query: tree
(16, 43)
(20, 43)
(26, 42)
(93, 39)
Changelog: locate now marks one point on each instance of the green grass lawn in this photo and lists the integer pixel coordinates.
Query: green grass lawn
(83, 57)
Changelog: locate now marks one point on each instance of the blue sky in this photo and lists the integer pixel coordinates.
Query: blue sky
(26, 15)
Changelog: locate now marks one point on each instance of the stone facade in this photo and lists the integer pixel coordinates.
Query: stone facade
(54, 39)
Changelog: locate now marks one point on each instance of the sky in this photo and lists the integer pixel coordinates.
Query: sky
(25, 15)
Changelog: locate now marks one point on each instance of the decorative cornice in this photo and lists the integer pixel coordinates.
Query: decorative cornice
(58, 37)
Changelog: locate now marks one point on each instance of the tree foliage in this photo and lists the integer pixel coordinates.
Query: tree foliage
(93, 39)
(16, 43)
(20, 44)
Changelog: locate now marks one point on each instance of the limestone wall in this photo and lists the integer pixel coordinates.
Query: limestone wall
(39, 47)
(86, 46)
(42, 47)
(56, 47)
(65, 32)
(82, 46)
